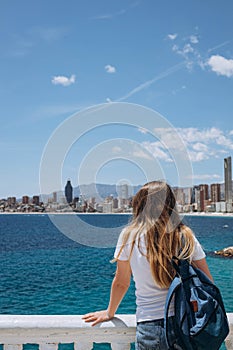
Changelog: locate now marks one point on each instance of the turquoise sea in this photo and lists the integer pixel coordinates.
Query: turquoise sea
(42, 271)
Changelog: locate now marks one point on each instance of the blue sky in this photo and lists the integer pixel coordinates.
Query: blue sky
(60, 57)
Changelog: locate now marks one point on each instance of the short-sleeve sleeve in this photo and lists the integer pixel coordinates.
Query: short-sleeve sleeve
(198, 253)
(124, 255)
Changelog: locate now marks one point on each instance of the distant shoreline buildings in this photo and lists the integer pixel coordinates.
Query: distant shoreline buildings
(213, 198)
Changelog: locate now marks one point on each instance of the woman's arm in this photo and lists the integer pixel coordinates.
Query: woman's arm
(120, 285)
(202, 265)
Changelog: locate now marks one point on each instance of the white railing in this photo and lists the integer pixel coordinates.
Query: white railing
(48, 331)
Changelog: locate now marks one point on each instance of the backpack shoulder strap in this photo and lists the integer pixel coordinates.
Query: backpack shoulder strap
(171, 291)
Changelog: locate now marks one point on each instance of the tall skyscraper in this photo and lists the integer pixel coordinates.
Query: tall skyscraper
(187, 195)
(228, 183)
(36, 200)
(54, 197)
(123, 191)
(179, 194)
(228, 179)
(25, 200)
(69, 192)
(194, 194)
(205, 189)
(215, 193)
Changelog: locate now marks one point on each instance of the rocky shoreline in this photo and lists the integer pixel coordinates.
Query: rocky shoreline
(226, 252)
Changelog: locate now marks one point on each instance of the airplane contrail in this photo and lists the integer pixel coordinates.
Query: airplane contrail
(146, 84)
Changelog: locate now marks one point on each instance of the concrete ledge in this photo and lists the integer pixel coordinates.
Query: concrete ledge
(47, 329)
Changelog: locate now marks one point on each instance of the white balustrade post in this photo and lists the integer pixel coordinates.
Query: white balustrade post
(48, 346)
(83, 346)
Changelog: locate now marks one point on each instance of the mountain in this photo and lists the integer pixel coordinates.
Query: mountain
(103, 190)
(94, 190)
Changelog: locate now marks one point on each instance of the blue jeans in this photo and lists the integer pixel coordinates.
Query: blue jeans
(150, 335)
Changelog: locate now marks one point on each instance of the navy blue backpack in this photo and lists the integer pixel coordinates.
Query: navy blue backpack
(200, 320)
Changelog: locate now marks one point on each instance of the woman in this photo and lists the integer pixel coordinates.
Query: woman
(145, 248)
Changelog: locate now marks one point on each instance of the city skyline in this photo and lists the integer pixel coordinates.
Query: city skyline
(211, 198)
(225, 185)
(69, 191)
(57, 60)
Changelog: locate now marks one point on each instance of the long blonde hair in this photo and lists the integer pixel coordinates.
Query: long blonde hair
(155, 213)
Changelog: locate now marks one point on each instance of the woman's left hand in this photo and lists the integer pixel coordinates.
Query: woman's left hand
(97, 317)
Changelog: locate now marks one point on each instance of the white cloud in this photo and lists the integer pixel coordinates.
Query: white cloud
(175, 48)
(157, 150)
(116, 149)
(194, 39)
(201, 144)
(140, 154)
(143, 130)
(187, 49)
(212, 136)
(200, 147)
(189, 54)
(193, 135)
(110, 69)
(198, 156)
(168, 137)
(62, 80)
(172, 36)
(221, 65)
(206, 176)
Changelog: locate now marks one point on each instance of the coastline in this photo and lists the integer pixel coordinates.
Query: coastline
(222, 215)
(60, 213)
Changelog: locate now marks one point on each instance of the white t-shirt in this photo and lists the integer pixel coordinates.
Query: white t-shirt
(150, 298)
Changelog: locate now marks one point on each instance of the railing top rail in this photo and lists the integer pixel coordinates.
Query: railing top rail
(62, 321)
(22, 329)
(69, 321)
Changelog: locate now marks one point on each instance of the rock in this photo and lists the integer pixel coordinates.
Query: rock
(228, 252)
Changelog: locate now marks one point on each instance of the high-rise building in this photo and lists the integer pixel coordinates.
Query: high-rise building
(187, 195)
(54, 197)
(69, 192)
(36, 200)
(25, 200)
(115, 203)
(179, 195)
(11, 201)
(200, 199)
(124, 191)
(107, 207)
(215, 193)
(205, 189)
(228, 179)
(222, 191)
(194, 194)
